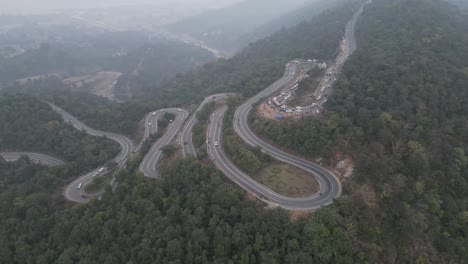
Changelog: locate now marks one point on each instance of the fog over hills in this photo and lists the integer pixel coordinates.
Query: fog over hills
(46, 6)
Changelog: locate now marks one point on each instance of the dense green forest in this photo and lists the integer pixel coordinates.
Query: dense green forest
(95, 111)
(199, 129)
(160, 61)
(192, 215)
(400, 111)
(249, 159)
(27, 124)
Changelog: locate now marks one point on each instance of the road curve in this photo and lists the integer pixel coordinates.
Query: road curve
(35, 157)
(148, 165)
(186, 136)
(72, 192)
(330, 187)
(262, 192)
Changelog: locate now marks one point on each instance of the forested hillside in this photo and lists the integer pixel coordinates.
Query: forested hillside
(221, 28)
(160, 61)
(248, 72)
(288, 20)
(258, 65)
(191, 215)
(400, 111)
(95, 111)
(27, 124)
(69, 51)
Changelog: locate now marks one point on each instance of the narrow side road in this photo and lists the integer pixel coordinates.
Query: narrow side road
(35, 157)
(75, 190)
(186, 137)
(222, 162)
(148, 165)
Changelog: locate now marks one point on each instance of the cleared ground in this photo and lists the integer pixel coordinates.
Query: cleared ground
(101, 83)
(98, 184)
(288, 180)
(305, 95)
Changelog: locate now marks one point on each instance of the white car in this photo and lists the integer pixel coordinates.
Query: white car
(101, 169)
(154, 113)
(79, 185)
(216, 143)
(149, 124)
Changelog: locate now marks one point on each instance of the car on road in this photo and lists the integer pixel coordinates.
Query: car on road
(149, 124)
(79, 185)
(216, 143)
(154, 113)
(101, 169)
(84, 195)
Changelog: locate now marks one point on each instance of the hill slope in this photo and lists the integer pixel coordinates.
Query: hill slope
(400, 111)
(261, 63)
(221, 28)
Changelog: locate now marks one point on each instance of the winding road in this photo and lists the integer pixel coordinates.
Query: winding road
(327, 191)
(74, 191)
(148, 165)
(186, 137)
(35, 157)
(330, 187)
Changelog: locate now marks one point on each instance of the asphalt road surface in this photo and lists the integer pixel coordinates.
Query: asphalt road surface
(72, 191)
(325, 87)
(330, 187)
(34, 157)
(148, 165)
(223, 163)
(186, 137)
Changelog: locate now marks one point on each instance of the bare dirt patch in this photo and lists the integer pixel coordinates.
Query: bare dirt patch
(344, 168)
(266, 112)
(296, 215)
(288, 180)
(101, 83)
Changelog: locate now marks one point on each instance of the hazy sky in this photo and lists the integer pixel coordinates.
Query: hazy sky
(44, 6)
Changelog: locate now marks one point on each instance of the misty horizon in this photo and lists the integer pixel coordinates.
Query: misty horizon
(53, 6)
